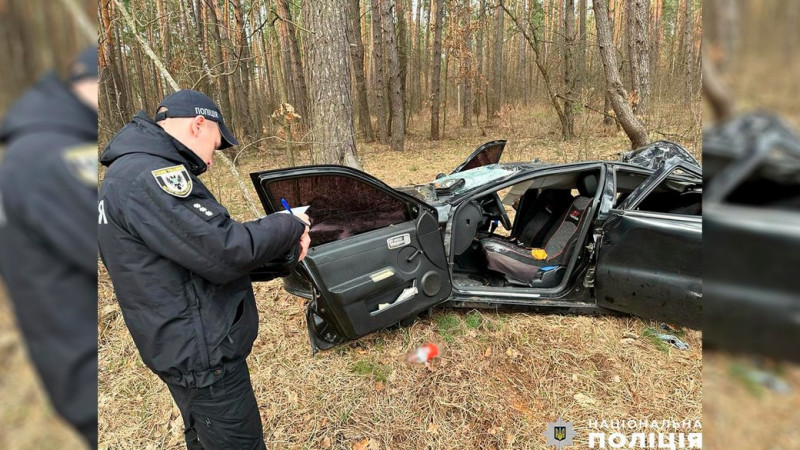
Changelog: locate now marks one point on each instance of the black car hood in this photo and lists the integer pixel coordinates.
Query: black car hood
(49, 106)
(142, 135)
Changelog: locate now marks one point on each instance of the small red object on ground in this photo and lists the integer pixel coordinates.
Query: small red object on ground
(424, 354)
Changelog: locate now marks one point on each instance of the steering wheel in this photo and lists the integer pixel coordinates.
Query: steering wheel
(502, 210)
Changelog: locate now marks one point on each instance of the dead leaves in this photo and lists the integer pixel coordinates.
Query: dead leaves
(367, 444)
(584, 400)
(512, 353)
(433, 428)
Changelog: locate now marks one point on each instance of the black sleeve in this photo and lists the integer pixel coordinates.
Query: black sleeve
(195, 233)
(63, 210)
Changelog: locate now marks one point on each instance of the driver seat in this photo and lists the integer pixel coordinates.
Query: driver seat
(515, 260)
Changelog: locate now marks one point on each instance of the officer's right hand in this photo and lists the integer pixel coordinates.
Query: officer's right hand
(305, 242)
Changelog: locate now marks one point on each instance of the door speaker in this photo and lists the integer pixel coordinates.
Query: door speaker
(431, 283)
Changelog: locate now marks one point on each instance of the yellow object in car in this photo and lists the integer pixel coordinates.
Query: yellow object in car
(539, 253)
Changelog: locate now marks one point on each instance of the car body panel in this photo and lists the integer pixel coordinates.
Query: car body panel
(753, 240)
(647, 266)
(339, 276)
(365, 279)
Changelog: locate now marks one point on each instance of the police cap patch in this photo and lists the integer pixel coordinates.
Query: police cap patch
(174, 180)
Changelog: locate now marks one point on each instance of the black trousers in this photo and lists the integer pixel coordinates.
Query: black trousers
(221, 416)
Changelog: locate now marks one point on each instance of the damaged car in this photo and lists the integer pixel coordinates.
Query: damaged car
(593, 237)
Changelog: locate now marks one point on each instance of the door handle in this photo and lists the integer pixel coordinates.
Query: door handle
(414, 255)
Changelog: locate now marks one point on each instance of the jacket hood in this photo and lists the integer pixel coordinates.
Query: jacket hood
(143, 135)
(49, 106)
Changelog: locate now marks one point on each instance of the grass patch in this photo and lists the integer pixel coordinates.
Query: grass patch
(474, 320)
(378, 372)
(449, 326)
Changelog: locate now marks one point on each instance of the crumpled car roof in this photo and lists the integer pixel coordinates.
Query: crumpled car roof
(653, 155)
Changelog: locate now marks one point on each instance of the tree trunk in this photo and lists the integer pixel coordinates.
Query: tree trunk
(357, 57)
(294, 77)
(398, 130)
(401, 40)
(497, 65)
(568, 131)
(466, 67)
(436, 69)
(381, 102)
(657, 37)
(688, 61)
(480, 72)
(638, 52)
(581, 82)
(417, 78)
(331, 109)
(616, 91)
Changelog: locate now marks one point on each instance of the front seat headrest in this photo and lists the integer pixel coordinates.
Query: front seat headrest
(587, 184)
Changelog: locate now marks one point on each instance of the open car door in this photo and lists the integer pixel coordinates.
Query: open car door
(376, 254)
(649, 264)
(488, 153)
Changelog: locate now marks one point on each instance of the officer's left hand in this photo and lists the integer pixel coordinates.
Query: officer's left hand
(305, 242)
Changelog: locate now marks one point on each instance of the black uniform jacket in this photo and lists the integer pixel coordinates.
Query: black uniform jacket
(48, 240)
(178, 262)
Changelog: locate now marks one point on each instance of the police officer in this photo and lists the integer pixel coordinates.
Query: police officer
(48, 246)
(180, 265)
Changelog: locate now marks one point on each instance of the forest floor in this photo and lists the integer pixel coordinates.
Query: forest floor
(500, 378)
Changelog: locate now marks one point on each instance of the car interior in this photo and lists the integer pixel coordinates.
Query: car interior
(549, 214)
(674, 195)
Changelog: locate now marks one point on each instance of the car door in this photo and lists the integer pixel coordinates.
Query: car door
(649, 263)
(376, 254)
(488, 153)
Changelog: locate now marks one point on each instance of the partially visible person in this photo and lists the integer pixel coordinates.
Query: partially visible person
(48, 234)
(180, 266)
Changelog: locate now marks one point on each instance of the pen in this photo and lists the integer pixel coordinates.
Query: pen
(286, 205)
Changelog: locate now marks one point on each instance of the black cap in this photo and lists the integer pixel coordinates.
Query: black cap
(189, 103)
(84, 65)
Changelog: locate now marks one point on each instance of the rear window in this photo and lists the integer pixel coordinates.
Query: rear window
(339, 206)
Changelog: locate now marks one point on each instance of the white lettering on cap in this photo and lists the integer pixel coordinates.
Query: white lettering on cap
(206, 112)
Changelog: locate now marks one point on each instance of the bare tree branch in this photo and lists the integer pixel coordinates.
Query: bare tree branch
(82, 20)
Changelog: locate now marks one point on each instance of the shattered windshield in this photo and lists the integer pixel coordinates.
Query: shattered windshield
(458, 183)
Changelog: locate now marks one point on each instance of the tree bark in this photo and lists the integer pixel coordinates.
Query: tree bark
(381, 102)
(581, 81)
(466, 66)
(295, 77)
(497, 57)
(716, 93)
(398, 130)
(480, 72)
(568, 131)
(436, 69)
(616, 91)
(357, 57)
(331, 108)
(638, 52)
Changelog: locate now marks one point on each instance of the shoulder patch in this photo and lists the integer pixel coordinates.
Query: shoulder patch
(174, 180)
(82, 162)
